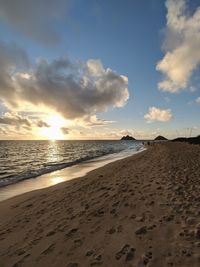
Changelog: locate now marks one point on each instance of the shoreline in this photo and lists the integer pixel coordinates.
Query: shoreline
(59, 176)
(142, 210)
(59, 155)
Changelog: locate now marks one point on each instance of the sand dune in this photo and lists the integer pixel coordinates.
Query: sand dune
(140, 211)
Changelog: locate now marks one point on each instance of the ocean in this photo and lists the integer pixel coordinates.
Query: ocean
(21, 160)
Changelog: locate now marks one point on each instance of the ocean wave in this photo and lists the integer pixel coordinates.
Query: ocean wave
(33, 168)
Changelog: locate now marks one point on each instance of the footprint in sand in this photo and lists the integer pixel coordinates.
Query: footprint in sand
(19, 263)
(72, 264)
(78, 242)
(141, 231)
(49, 249)
(143, 261)
(71, 232)
(97, 260)
(126, 250)
(50, 233)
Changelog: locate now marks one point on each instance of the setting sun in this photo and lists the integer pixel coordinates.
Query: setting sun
(54, 131)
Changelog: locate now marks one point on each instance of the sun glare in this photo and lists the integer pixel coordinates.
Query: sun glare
(54, 132)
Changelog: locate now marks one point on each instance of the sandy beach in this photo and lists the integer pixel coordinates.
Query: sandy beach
(143, 210)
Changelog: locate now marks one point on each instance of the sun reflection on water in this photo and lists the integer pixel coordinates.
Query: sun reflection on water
(53, 151)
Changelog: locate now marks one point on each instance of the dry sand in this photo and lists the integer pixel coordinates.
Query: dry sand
(140, 211)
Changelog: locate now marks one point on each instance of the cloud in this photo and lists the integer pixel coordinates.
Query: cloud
(41, 124)
(127, 132)
(198, 100)
(95, 67)
(35, 18)
(157, 114)
(193, 88)
(14, 119)
(11, 57)
(2, 131)
(10, 132)
(90, 121)
(182, 44)
(65, 130)
(167, 99)
(74, 90)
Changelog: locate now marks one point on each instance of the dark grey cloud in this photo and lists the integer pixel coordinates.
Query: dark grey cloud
(65, 130)
(75, 90)
(41, 124)
(34, 18)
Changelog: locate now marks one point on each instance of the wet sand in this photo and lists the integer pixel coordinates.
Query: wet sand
(143, 210)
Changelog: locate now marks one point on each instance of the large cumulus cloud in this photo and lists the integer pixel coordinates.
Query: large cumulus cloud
(75, 90)
(181, 45)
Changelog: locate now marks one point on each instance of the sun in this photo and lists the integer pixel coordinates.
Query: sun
(54, 132)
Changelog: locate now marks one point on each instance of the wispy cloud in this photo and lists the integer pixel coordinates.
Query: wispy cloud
(91, 121)
(65, 130)
(167, 99)
(182, 44)
(157, 114)
(17, 120)
(14, 119)
(34, 19)
(198, 100)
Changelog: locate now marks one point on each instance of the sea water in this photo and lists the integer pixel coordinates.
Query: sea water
(21, 160)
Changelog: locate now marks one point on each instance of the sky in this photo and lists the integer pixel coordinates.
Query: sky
(96, 69)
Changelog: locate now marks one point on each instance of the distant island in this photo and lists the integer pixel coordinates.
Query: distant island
(128, 137)
(160, 138)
